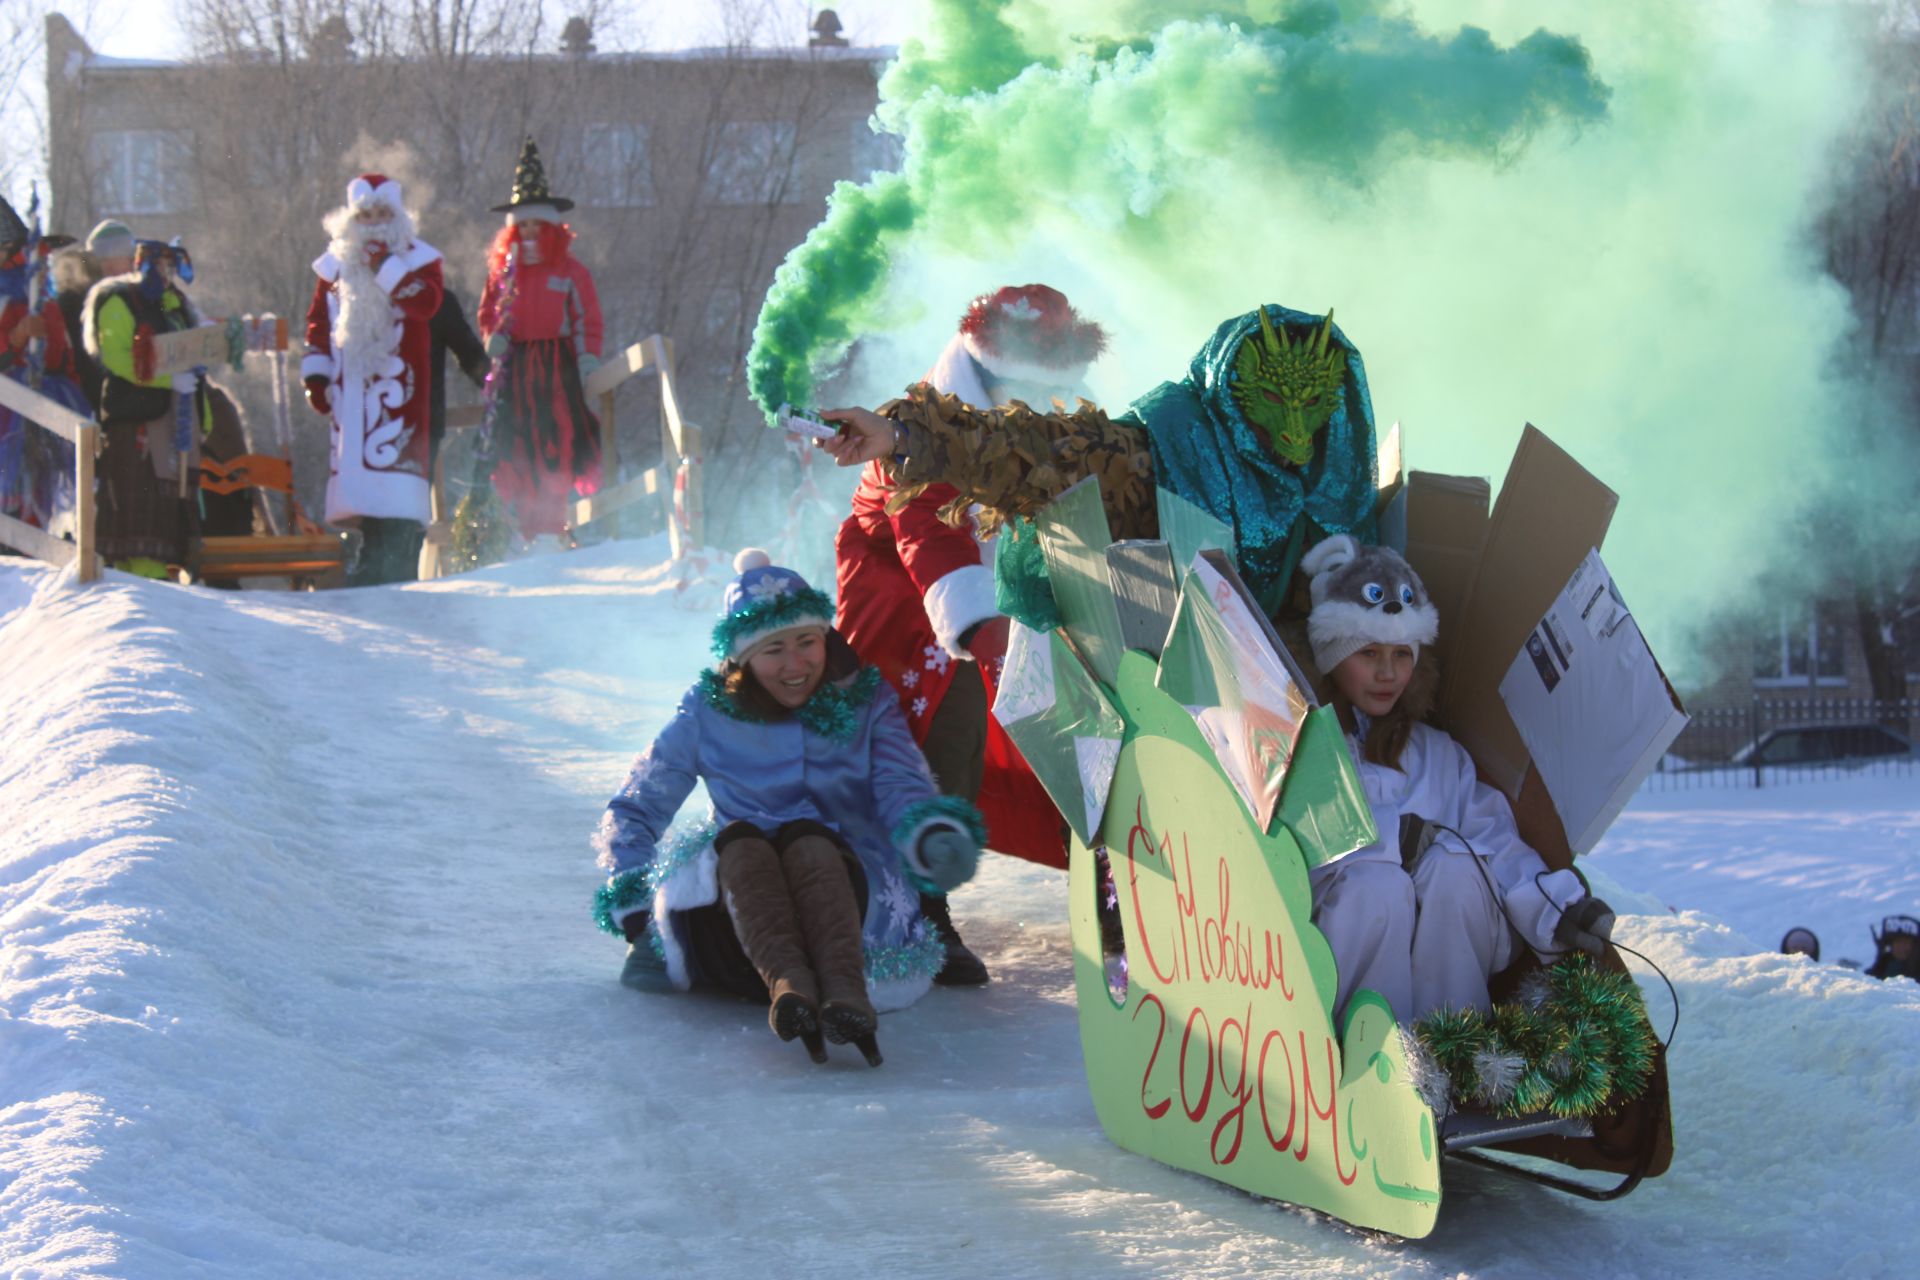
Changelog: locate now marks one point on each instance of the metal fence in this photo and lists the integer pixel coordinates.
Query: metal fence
(1779, 741)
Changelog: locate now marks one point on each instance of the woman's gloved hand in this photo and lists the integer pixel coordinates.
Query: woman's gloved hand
(947, 857)
(1587, 924)
(496, 345)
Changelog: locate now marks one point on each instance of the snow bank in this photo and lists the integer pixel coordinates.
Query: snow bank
(296, 978)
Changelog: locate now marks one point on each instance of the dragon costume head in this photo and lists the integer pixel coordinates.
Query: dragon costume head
(1289, 389)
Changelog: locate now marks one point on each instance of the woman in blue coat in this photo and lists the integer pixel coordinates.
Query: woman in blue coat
(803, 886)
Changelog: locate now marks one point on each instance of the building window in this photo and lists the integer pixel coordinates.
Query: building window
(141, 170)
(753, 164)
(1804, 647)
(617, 171)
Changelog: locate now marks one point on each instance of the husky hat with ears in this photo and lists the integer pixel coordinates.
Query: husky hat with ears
(1362, 596)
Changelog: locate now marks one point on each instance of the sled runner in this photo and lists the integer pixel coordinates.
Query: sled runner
(1201, 783)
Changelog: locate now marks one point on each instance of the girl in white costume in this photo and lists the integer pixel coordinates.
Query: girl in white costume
(1434, 908)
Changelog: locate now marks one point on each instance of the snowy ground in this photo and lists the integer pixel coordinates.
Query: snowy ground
(296, 978)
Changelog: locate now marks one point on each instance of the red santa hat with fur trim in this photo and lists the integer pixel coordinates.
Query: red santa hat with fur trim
(1026, 334)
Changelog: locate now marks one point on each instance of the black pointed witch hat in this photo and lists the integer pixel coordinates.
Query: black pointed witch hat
(530, 183)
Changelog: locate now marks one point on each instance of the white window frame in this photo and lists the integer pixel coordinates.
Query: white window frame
(1807, 623)
(617, 160)
(114, 157)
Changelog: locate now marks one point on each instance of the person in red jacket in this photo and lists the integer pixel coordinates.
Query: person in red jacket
(369, 369)
(916, 595)
(541, 315)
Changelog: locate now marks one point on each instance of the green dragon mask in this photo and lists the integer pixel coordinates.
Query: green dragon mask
(1289, 389)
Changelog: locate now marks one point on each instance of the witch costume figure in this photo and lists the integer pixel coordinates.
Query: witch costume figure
(540, 319)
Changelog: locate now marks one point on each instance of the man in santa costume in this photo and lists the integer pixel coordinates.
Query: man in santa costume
(917, 594)
(540, 314)
(368, 369)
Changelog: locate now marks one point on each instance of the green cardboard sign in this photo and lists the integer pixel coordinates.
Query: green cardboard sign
(1221, 1057)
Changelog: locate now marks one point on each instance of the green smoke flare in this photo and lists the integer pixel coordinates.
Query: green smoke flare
(1322, 96)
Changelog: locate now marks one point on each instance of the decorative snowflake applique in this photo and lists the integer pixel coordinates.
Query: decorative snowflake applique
(910, 679)
(919, 707)
(768, 588)
(937, 659)
(900, 902)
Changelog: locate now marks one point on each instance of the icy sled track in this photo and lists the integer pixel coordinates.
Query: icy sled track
(297, 978)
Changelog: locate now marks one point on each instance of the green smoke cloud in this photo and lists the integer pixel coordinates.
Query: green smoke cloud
(996, 133)
(1601, 232)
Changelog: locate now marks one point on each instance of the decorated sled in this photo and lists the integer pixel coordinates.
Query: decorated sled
(1201, 781)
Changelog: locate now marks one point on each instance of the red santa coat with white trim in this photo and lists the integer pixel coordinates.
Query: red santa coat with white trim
(909, 585)
(381, 465)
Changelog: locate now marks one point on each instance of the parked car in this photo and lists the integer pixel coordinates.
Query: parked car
(1836, 745)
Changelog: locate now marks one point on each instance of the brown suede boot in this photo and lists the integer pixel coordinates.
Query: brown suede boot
(830, 921)
(763, 914)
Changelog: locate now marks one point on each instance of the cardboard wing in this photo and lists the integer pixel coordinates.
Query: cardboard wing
(1223, 663)
(1074, 538)
(1591, 703)
(1058, 716)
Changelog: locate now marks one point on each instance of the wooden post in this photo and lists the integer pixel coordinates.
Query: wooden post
(609, 459)
(83, 502)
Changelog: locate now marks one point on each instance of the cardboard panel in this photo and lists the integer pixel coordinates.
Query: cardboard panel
(1591, 703)
(1443, 523)
(1551, 512)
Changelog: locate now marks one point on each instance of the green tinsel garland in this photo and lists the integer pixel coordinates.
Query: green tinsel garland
(770, 615)
(482, 530)
(1576, 1044)
(831, 711)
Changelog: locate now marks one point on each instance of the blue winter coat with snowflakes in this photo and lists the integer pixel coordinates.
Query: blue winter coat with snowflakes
(846, 759)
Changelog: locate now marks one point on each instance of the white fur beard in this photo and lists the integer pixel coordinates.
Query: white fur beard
(365, 324)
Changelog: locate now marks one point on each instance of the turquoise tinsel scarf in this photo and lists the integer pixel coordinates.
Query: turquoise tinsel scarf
(832, 712)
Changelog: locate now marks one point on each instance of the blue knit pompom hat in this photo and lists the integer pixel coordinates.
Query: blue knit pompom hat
(762, 600)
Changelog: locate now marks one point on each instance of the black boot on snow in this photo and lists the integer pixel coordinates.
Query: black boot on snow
(963, 968)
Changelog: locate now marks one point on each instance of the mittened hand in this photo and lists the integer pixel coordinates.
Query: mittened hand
(588, 363)
(185, 382)
(1587, 924)
(496, 345)
(317, 395)
(947, 857)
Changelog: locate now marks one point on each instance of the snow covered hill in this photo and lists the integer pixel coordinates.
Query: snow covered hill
(297, 979)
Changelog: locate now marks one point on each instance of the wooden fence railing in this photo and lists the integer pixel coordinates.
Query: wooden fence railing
(40, 413)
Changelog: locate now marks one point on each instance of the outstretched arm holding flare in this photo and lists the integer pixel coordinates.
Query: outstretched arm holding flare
(1009, 462)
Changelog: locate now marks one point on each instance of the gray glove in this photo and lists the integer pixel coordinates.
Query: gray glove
(497, 345)
(1587, 924)
(947, 857)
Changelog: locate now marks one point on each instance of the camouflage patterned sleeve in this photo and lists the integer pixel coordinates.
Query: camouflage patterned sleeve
(1012, 461)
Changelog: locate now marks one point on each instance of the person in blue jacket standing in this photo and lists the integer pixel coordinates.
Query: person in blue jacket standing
(802, 888)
